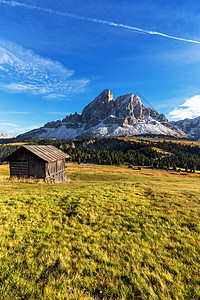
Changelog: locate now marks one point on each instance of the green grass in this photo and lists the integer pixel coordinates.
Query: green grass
(176, 141)
(105, 235)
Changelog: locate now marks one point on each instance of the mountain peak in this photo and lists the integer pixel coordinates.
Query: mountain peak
(106, 117)
(105, 96)
(107, 93)
(99, 107)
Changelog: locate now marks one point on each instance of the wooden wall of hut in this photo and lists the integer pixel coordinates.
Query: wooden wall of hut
(55, 170)
(24, 163)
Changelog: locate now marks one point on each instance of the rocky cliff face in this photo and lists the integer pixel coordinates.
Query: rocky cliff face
(106, 117)
(190, 126)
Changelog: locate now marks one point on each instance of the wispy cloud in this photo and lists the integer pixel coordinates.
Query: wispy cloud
(57, 113)
(189, 109)
(94, 20)
(8, 124)
(17, 129)
(26, 72)
(15, 112)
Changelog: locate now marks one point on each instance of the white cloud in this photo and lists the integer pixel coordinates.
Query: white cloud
(189, 109)
(23, 71)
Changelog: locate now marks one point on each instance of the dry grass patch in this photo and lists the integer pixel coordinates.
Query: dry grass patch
(176, 141)
(126, 170)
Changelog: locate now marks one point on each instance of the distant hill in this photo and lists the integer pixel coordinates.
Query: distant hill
(106, 117)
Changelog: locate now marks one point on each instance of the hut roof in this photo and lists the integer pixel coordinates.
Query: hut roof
(47, 153)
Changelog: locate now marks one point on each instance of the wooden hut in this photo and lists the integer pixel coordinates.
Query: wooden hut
(46, 162)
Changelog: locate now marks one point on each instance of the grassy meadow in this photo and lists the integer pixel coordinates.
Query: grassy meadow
(154, 139)
(109, 233)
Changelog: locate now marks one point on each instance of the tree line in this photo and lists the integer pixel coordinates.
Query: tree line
(162, 155)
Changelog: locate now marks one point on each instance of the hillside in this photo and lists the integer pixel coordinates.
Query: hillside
(106, 117)
(179, 155)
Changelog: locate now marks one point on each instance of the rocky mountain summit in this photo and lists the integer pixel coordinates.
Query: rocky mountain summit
(190, 126)
(106, 117)
(5, 136)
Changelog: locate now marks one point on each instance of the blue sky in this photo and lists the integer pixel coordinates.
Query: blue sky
(57, 56)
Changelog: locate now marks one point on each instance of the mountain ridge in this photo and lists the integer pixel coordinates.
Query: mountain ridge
(190, 126)
(106, 117)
